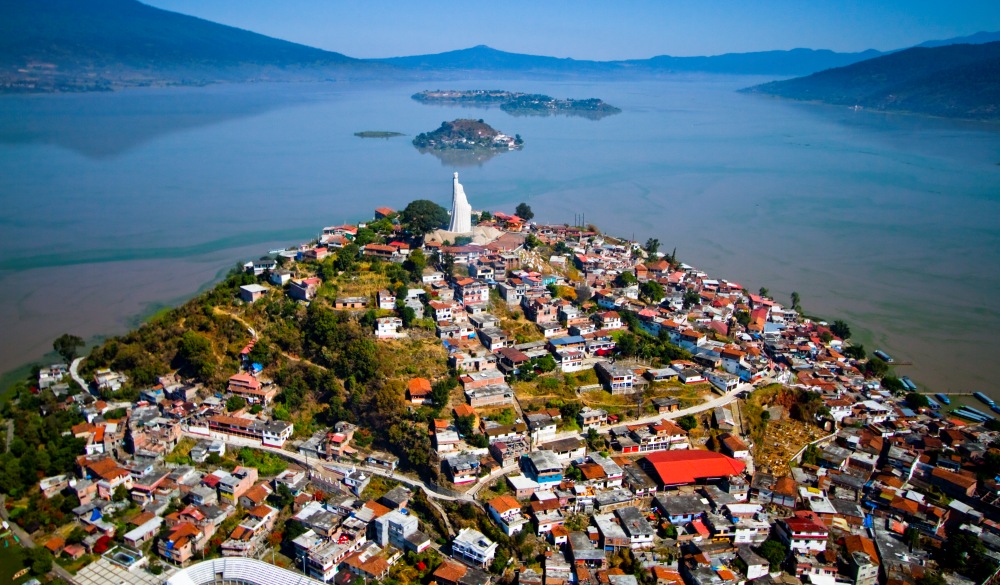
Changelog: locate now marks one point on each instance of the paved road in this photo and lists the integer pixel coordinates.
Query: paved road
(74, 372)
(321, 465)
(470, 496)
(28, 542)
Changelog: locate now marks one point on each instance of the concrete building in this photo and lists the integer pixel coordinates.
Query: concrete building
(472, 546)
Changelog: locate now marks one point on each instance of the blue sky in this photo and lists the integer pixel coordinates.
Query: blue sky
(598, 30)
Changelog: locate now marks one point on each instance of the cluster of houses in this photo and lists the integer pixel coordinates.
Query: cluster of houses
(886, 471)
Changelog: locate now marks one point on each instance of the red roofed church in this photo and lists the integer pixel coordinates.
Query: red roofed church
(690, 466)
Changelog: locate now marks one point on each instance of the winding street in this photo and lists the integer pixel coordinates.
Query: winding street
(316, 465)
(74, 372)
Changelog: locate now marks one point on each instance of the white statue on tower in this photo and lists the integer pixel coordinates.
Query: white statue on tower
(461, 210)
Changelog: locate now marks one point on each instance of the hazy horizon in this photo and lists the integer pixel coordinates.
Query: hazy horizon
(635, 30)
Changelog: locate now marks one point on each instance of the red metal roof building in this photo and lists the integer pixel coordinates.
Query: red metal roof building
(690, 466)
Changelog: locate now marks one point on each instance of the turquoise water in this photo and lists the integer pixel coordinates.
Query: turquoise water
(114, 204)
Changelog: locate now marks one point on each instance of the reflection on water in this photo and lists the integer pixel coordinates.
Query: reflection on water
(587, 114)
(461, 157)
(106, 125)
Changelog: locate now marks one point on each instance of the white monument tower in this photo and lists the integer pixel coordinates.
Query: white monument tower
(461, 211)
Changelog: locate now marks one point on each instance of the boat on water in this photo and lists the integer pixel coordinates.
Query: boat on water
(972, 414)
(983, 398)
(975, 411)
(933, 403)
(908, 384)
(943, 398)
(883, 356)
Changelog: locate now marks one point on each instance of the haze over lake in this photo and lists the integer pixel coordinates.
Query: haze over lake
(116, 204)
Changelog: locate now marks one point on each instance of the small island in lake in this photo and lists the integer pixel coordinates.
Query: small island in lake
(531, 104)
(378, 134)
(466, 134)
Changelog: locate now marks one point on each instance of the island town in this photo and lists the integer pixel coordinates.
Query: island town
(474, 397)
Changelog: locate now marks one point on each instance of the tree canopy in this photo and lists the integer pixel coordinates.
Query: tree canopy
(523, 210)
(652, 291)
(840, 329)
(422, 216)
(66, 346)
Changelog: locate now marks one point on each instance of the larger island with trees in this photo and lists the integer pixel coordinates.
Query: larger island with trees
(519, 103)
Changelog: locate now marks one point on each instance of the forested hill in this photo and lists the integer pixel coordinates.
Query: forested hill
(954, 81)
(100, 44)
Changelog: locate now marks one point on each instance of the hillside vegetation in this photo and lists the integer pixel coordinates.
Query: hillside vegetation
(326, 362)
(955, 81)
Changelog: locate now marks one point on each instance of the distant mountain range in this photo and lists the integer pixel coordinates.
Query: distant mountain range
(954, 81)
(77, 45)
(483, 58)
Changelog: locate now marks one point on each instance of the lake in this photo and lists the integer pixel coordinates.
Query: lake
(115, 205)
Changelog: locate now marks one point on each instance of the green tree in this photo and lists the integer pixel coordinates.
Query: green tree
(347, 259)
(234, 403)
(195, 352)
(966, 554)
(66, 346)
(687, 422)
(763, 291)
(570, 410)
(531, 242)
(441, 392)
(466, 425)
(691, 298)
(546, 363)
(595, 442)
(261, 353)
(876, 367)
(855, 351)
(121, 494)
(917, 400)
(523, 210)
(447, 264)
(626, 278)
(652, 246)
(415, 264)
(775, 552)
(365, 236)
(795, 301)
(422, 216)
(841, 329)
(652, 291)
(408, 316)
(38, 560)
(628, 344)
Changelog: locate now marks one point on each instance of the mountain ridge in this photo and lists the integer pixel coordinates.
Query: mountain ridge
(72, 45)
(953, 81)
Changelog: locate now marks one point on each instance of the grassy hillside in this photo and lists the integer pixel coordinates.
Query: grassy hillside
(956, 81)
